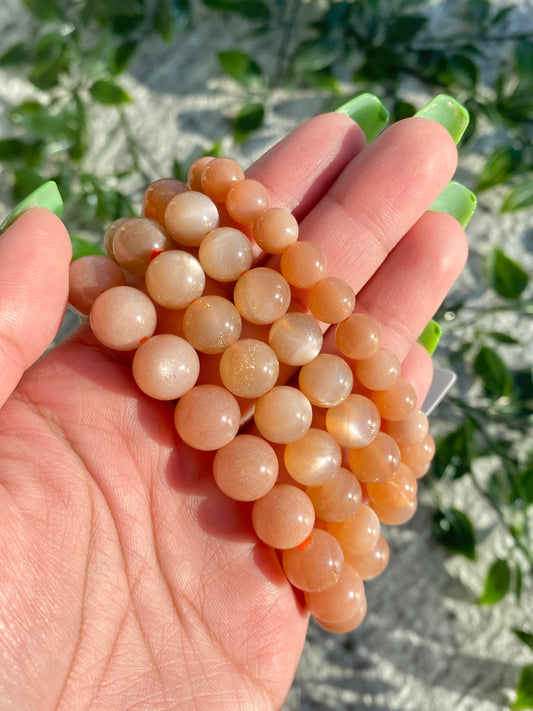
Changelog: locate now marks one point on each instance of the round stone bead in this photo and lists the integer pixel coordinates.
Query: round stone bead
(207, 417)
(194, 174)
(157, 196)
(346, 625)
(246, 468)
(303, 264)
(275, 229)
(109, 236)
(225, 254)
(326, 381)
(354, 422)
(373, 563)
(121, 317)
(89, 276)
(418, 453)
(283, 415)
(413, 428)
(331, 300)
(135, 242)
(189, 217)
(174, 279)
(211, 324)
(262, 295)
(284, 517)
(316, 564)
(397, 492)
(337, 499)
(165, 367)
(394, 517)
(380, 371)
(378, 461)
(340, 602)
(249, 368)
(314, 458)
(296, 338)
(396, 402)
(358, 534)
(358, 336)
(218, 176)
(247, 200)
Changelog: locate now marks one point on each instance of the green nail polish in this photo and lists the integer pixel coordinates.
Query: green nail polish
(457, 201)
(47, 195)
(367, 111)
(430, 336)
(449, 113)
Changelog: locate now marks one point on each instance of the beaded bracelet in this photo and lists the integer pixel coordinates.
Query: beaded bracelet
(337, 442)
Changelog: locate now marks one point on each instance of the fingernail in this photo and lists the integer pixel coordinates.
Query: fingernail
(47, 195)
(368, 112)
(430, 336)
(449, 113)
(456, 200)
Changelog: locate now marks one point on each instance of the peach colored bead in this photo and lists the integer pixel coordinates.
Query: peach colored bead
(337, 499)
(249, 368)
(109, 236)
(396, 402)
(326, 381)
(174, 279)
(211, 324)
(413, 428)
(284, 517)
(207, 417)
(380, 371)
(194, 175)
(354, 422)
(157, 196)
(303, 264)
(314, 458)
(262, 295)
(341, 601)
(283, 415)
(346, 625)
(316, 564)
(88, 277)
(165, 367)
(331, 300)
(135, 242)
(421, 471)
(246, 468)
(397, 492)
(378, 461)
(358, 336)
(189, 217)
(218, 176)
(373, 563)
(296, 338)
(247, 200)
(121, 317)
(358, 534)
(394, 517)
(418, 453)
(225, 254)
(275, 230)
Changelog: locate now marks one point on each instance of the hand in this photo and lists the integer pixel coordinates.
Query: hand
(128, 579)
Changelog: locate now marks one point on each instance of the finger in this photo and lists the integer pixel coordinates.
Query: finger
(379, 196)
(35, 254)
(417, 368)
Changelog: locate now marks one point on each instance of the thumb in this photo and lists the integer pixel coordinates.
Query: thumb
(35, 254)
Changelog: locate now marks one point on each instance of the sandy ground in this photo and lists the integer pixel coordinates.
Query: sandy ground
(425, 645)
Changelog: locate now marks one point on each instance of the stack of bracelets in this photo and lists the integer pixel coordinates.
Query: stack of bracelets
(333, 443)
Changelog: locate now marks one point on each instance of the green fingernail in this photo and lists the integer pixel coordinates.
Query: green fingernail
(456, 200)
(47, 195)
(430, 336)
(449, 113)
(367, 111)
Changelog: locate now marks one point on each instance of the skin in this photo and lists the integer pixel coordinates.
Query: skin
(128, 581)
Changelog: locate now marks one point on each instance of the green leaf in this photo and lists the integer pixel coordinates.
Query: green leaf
(168, 14)
(241, 67)
(455, 452)
(494, 373)
(517, 587)
(524, 692)
(312, 55)
(502, 337)
(45, 10)
(123, 55)
(404, 28)
(520, 196)
(15, 150)
(524, 59)
(496, 583)
(51, 59)
(26, 181)
(507, 277)
(525, 637)
(499, 167)
(402, 109)
(518, 106)
(463, 71)
(249, 118)
(109, 93)
(81, 247)
(17, 54)
(523, 485)
(250, 9)
(454, 530)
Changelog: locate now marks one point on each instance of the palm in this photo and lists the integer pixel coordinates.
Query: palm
(129, 580)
